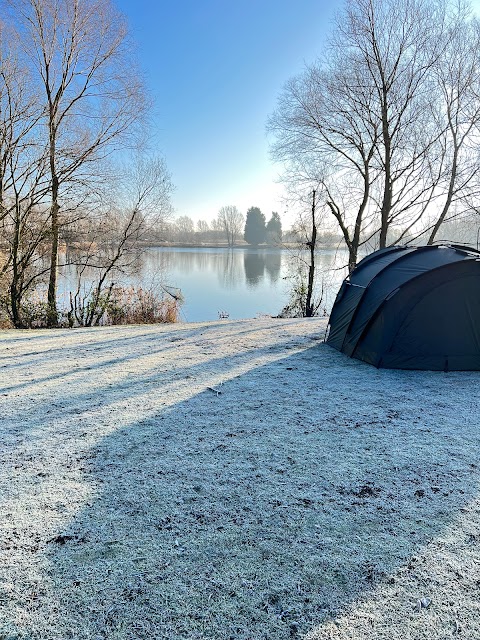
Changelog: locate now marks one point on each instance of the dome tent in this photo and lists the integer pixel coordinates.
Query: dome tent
(408, 307)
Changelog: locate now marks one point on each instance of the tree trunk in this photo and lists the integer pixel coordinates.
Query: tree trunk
(387, 190)
(352, 257)
(309, 305)
(52, 313)
(15, 303)
(15, 296)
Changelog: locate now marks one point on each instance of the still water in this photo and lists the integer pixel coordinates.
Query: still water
(242, 282)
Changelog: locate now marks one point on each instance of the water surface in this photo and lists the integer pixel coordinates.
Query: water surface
(241, 282)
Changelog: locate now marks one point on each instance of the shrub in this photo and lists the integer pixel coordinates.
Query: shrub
(131, 305)
(296, 306)
(117, 305)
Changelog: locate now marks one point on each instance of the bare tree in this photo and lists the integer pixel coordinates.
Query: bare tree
(184, 229)
(458, 77)
(92, 95)
(386, 123)
(203, 226)
(231, 221)
(112, 240)
(23, 182)
(325, 134)
(398, 44)
(306, 293)
(310, 306)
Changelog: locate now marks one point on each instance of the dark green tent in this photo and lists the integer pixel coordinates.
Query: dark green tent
(411, 308)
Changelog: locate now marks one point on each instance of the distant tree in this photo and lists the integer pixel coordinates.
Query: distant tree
(184, 228)
(255, 229)
(202, 231)
(216, 226)
(274, 228)
(217, 234)
(202, 226)
(231, 221)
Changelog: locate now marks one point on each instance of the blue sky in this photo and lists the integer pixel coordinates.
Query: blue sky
(215, 69)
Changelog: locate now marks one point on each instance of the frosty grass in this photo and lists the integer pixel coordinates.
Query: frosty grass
(233, 480)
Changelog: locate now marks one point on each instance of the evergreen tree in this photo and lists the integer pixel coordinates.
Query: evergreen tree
(274, 228)
(255, 229)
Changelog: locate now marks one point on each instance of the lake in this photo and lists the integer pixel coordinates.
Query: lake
(242, 282)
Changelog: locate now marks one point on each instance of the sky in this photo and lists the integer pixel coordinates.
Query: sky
(215, 69)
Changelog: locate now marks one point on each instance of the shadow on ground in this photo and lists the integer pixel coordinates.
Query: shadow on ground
(246, 516)
(264, 510)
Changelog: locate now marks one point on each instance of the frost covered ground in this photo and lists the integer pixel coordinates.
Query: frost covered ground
(233, 480)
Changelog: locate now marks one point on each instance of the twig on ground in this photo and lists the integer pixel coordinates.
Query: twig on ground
(214, 390)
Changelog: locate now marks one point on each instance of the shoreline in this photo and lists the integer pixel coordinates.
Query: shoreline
(213, 245)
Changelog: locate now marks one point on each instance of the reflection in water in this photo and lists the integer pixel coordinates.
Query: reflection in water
(230, 274)
(273, 265)
(256, 263)
(244, 282)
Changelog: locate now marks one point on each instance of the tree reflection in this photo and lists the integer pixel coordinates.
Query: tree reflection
(230, 270)
(273, 264)
(256, 263)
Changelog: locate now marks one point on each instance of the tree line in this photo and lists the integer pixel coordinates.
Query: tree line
(385, 124)
(229, 227)
(73, 158)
